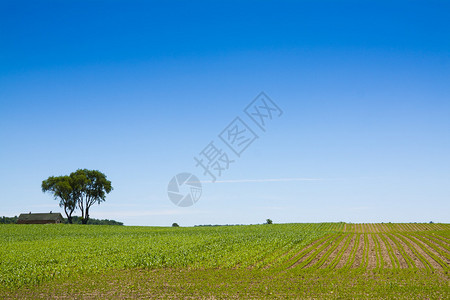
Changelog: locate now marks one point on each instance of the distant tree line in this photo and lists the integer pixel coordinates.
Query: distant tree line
(8, 220)
(92, 221)
(268, 221)
(217, 225)
(75, 220)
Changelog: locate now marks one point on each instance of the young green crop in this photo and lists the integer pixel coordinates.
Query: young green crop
(32, 255)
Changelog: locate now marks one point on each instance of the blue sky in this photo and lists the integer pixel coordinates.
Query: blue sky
(136, 89)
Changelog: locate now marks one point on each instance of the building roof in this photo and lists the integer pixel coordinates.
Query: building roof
(40, 217)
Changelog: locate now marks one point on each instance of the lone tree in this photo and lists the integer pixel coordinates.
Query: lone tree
(62, 188)
(93, 187)
(81, 189)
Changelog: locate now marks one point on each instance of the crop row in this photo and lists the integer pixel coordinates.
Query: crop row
(393, 227)
(32, 254)
(375, 251)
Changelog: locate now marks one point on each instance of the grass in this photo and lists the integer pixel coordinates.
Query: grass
(279, 261)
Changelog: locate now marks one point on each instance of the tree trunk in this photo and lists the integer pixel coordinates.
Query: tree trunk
(86, 217)
(69, 216)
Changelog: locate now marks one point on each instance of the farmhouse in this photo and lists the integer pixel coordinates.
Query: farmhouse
(50, 218)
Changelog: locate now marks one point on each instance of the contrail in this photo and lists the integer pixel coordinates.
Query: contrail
(261, 180)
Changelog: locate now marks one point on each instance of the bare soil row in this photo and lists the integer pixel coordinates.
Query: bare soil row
(375, 250)
(393, 227)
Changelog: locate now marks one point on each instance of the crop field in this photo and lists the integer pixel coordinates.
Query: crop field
(325, 260)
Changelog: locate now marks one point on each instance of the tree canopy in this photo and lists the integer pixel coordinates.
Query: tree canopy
(62, 188)
(81, 189)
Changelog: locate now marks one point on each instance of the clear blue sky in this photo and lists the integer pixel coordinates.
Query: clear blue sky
(136, 89)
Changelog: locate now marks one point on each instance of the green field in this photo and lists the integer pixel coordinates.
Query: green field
(327, 260)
